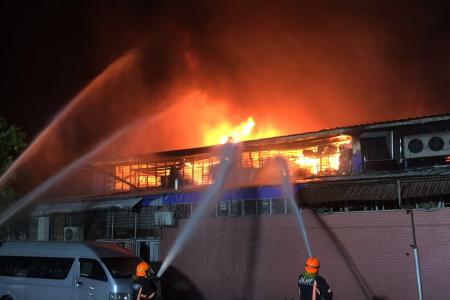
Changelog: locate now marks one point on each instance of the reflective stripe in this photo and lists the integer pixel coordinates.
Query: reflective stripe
(315, 267)
(314, 290)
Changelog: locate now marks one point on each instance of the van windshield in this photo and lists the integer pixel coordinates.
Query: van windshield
(121, 267)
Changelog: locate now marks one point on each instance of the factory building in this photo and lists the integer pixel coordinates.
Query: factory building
(355, 184)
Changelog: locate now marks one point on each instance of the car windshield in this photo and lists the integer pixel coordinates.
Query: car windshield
(121, 267)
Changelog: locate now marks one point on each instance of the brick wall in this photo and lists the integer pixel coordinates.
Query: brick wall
(363, 254)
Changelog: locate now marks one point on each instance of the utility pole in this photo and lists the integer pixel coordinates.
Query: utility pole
(416, 255)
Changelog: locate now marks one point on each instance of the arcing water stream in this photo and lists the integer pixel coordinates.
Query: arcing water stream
(27, 199)
(211, 194)
(289, 194)
(214, 193)
(227, 159)
(112, 70)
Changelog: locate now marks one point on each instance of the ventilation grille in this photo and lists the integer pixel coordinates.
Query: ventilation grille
(427, 145)
(73, 233)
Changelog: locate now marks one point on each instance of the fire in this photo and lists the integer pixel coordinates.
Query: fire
(239, 132)
(324, 159)
(226, 133)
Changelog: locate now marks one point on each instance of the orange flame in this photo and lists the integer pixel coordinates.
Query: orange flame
(239, 132)
(327, 160)
(226, 133)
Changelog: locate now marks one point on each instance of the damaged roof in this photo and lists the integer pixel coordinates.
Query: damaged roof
(280, 140)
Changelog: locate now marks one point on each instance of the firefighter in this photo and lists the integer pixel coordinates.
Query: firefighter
(144, 285)
(311, 286)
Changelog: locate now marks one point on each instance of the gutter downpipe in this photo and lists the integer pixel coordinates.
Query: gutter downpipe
(414, 245)
(416, 257)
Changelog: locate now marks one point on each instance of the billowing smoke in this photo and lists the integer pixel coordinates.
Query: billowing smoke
(187, 66)
(293, 66)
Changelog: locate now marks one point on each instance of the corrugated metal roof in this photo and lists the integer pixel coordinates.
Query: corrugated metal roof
(423, 173)
(317, 193)
(417, 189)
(71, 207)
(323, 193)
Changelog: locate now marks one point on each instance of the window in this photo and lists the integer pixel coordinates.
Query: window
(290, 207)
(121, 267)
(222, 208)
(35, 267)
(90, 268)
(253, 207)
(377, 145)
(235, 208)
(358, 206)
(250, 207)
(278, 206)
(55, 268)
(263, 207)
(182, 211)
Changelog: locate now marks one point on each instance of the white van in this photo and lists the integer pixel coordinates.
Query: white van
(65, 271)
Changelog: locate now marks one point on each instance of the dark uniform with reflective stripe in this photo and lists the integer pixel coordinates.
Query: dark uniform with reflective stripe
(144, 288)
(307, 284)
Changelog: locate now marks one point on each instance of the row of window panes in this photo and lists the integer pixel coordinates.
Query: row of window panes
(59, 267)
(320, 164)
(238, 208)
(280, 206)
(156, 174)
(252, 207)
(35, 267)
(200, 172)
(356, 206)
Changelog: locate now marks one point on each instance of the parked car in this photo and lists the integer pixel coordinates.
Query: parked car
(65, 270)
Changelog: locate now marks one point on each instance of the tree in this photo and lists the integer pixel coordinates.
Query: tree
(12, 142)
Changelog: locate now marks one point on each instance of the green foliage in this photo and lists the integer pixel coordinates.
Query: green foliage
(12, 141)
(7, 196)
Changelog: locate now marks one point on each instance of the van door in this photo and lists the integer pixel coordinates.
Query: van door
(91, 281)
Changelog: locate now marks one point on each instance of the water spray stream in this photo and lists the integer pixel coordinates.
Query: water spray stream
(27, 199)
(227, 159)
(111, 70)
(289, 193)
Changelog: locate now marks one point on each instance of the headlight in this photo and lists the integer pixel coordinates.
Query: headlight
(119, 296)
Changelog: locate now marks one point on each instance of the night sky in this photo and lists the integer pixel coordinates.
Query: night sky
(52, 49)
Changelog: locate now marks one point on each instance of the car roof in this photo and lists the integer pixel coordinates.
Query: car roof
(62, 249)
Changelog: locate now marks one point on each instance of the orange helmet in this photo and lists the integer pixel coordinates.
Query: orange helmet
(312, 265)
(142, 269)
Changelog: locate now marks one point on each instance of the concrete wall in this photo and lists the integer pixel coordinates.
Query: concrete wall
(363, 254)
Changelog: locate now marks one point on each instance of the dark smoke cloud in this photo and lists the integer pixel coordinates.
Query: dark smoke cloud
(294, 65)
(298, 66)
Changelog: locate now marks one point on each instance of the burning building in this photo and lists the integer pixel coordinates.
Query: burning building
(355, 182)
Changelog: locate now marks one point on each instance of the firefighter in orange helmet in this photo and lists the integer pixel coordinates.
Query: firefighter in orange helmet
(144, 286)
(311, 286)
